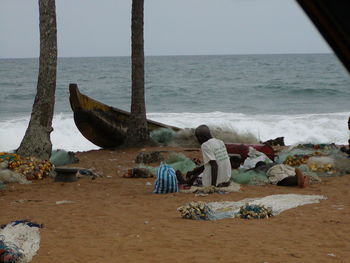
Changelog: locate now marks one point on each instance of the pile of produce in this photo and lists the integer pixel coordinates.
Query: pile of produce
(195, 210)
(31, 167)
(255, 212)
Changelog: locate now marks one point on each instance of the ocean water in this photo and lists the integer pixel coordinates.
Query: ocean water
(304, 98)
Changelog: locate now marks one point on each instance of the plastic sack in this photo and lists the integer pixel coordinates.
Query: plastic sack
(278, 172)
(166, 181)
(61, 157)
(254, 157)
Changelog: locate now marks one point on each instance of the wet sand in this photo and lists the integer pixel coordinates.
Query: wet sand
(115, 219)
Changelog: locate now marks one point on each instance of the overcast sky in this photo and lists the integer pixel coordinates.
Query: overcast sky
(172, 27)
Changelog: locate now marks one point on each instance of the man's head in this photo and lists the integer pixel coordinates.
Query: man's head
(202, 133)
(235, 160)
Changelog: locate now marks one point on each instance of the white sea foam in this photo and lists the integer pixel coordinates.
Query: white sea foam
(305, 128)
(65, 135)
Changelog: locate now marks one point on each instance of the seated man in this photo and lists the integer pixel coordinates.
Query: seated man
(216, 170)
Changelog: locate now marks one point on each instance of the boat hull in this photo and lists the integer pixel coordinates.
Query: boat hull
(103, 125)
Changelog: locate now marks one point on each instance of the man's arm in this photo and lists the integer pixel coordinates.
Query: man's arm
(214, 171)
(195, 172)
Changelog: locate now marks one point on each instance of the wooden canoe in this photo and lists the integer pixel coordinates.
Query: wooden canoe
(103, 125)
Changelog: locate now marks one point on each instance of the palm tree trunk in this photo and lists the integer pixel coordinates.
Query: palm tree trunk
(138, 131)
(36, 141)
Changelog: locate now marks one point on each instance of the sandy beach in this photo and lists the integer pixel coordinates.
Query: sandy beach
(116, 219)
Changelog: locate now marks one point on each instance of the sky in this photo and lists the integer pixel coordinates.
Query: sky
(90, 28)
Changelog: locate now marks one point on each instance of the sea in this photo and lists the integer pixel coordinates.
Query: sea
(304, 98)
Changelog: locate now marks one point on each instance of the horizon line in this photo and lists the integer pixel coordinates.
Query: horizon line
(179, 55)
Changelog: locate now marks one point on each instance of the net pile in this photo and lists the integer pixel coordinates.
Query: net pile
(255, 211)
(249, 177)
(177, 161)
(162, 135)
(322, 159)
(196, 211)
(267, 206)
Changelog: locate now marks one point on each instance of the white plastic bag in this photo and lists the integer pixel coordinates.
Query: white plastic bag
(254, 157)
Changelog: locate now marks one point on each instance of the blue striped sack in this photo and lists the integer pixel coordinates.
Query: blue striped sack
(166, 181)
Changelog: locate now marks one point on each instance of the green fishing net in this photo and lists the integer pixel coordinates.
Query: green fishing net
(163, 135)
(316, 160)
(152, 170)
(177, 161)
(249, 177)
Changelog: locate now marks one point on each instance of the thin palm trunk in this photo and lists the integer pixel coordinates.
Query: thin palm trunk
(36, 141)
(138, 132)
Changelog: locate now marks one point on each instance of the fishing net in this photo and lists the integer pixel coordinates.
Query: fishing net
(30, 167)
(9, 176)
(163, 135)
(321, 159)
(186, 138)
(271, 205)
(152, 170)
(177, 161)
(255, 211)
(196, 211)
(180, 162)
(249, 177)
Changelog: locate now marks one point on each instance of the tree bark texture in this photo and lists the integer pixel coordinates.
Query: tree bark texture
(36, 141)
(138, 131)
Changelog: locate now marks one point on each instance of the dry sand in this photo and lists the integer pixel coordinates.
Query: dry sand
(114, 219)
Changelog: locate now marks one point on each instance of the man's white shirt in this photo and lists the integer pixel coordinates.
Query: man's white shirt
(214, 149)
